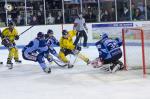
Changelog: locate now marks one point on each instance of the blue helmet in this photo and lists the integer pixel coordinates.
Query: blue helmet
(40, 35)
(103, 35)
(50, 31)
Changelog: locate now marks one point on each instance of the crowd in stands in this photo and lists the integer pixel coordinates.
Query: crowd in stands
(36, 16)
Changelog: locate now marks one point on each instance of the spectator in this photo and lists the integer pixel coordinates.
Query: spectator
(40, 18)
(90, 17)
(112, 14)
(126, 14)
(138, 15)
(148, 12)
(34, 21)
(105, 16)
(20, 20)
(50, 19)
(9, 18)
(29, 17)
(133, 8)
(59, 18)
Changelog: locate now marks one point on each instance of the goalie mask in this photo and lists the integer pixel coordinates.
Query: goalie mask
(103, 36)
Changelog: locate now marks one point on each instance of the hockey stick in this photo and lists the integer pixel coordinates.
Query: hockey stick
(77, 55)
(26, 30)
(58, 63)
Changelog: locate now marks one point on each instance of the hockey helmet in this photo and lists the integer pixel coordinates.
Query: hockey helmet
(103, 35)
(49, 31)
(64, 32)
(40, 35)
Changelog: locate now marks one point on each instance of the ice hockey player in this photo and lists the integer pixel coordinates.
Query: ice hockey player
(36, 51)
(67, 47)
(0, 36)
(109, 53)
(51, 42)
(9, 35)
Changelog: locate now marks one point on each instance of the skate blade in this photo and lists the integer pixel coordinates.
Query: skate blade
(10, 66)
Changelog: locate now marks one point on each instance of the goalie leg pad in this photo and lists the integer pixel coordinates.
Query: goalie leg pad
(96, 63)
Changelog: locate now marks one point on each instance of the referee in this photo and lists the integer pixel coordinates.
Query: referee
(81, 28)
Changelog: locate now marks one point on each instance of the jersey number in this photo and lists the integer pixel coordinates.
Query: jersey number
(111, 46)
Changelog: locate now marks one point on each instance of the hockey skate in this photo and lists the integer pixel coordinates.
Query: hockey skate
(18, 61)
(113, 68)
(9, 64)
(47, 70)
(85, 47)
(122, 67)
(88, 62)
(70, 65)
(1, 63)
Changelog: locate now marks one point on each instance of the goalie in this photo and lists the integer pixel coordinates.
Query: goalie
(109, 53)
(67, 47)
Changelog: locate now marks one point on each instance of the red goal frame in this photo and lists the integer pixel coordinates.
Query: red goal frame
(142, 47)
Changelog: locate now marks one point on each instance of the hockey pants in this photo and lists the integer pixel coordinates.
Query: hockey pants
(13, 53)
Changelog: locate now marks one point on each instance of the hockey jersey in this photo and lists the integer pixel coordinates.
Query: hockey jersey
(67, 43)
(36, 45)
(10, 34)
(108, 47)
(51, 42)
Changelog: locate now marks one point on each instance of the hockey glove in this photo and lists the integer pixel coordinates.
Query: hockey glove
(78, 48)
(6, 42)
(46, 36)
(0, 33)
(75, 52)
(16, 37)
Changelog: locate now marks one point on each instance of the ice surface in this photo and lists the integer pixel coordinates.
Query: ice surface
(28, 81)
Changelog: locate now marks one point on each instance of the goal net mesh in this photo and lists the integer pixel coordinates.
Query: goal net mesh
(136, 48)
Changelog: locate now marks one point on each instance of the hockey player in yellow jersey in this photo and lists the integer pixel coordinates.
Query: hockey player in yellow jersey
(0, 36)
(9, 35)
(67, 47)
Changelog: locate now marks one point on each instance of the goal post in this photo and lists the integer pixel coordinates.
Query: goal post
(136, 46)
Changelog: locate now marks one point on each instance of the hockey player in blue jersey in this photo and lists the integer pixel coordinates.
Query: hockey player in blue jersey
(109, 53)
(36, 51)
(51, 42)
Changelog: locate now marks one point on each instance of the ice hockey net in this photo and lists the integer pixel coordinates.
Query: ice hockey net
(136, 48)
